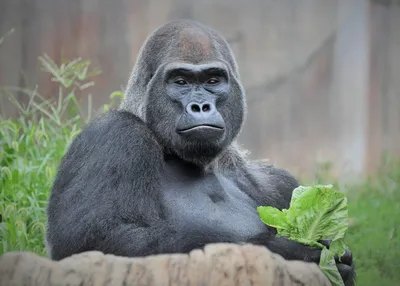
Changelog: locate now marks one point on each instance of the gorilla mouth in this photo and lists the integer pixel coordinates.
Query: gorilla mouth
(203, 132)
(201, 127)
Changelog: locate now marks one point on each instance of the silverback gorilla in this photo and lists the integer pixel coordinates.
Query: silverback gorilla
(163, 173)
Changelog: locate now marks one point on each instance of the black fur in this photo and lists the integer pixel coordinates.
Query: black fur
(134, 184)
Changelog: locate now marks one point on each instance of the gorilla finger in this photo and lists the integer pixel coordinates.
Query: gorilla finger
(313, 255)
(347, 258)
(326, 242)
(347, 274)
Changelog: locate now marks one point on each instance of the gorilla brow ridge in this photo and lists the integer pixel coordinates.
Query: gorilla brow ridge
(212, 68)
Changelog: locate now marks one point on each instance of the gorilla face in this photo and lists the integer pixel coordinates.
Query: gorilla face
(197, 89)
(193, 102)
(194, 114)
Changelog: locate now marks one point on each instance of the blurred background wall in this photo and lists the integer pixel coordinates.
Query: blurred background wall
(322, 76)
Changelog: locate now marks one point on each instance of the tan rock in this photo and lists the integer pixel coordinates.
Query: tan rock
(219, 265)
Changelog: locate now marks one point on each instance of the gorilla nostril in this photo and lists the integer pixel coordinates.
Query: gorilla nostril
(200, 109)
(195, 108)
(206, 107)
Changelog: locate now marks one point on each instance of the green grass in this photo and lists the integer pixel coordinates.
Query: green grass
(374, 236)
(374, 231)
(32, 145)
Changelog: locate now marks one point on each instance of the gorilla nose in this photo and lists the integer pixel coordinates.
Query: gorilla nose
(197, 109)
(201, 121)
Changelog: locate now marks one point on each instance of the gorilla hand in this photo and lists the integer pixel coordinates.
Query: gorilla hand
(345, 264)
(292, 250)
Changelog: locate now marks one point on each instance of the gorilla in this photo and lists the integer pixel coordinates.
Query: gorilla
(163, 173)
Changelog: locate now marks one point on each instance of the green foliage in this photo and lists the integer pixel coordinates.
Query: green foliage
(374, 231)
(316, 213)
(31, 147)
(374, 222)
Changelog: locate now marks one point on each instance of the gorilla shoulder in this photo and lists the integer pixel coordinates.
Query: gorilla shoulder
(274, 185)
(117, 126)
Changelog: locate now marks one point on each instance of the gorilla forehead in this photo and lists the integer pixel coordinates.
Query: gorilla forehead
(187, 41)
(194, 45)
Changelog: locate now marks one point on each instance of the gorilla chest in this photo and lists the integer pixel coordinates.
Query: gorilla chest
(210, 203)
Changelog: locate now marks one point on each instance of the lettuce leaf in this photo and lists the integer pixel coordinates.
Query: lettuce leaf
(328, 265)
(316, 213)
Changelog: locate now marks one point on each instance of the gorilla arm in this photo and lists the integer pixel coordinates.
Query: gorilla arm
(106, 195)
(273, 187)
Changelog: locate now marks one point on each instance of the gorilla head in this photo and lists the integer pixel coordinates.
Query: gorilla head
(185, 87)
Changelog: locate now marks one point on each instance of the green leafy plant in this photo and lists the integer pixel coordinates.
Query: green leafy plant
(316, 213)
(31, 147)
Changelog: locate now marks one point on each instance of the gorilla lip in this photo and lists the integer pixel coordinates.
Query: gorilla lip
(202, 126)
(203, 132)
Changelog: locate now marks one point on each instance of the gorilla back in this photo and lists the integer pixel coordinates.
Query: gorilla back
(163, 174)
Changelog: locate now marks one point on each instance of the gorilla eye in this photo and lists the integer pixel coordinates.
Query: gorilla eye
(180, 82)
(213, 81)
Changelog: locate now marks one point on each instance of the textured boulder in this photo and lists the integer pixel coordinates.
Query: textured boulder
(218, 264)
